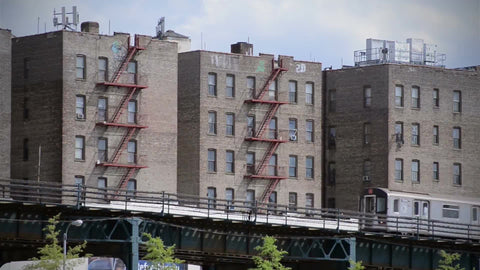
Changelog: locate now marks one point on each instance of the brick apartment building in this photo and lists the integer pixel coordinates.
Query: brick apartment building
(404, 127)
(102, 109)
(250, 127)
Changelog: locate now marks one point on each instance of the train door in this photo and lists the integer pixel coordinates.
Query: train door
(421, 210)
(369, 203)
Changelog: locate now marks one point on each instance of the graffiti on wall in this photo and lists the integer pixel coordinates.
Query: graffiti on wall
(300, 68)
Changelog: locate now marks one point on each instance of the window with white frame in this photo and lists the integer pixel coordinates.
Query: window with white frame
(79, 147)
(102, 69)
(132, 72)
(399, 169)
(309, 169)
(132, 111)
(436, 138)
(212, 160)
(309, 130)
(212, 122)
(292, 129)
(102, 155)
(212, 84)
(457, 174)
(102, 112)
(436, 171)
(436, 98)
(309, 93)
(416, 171)
(251, 87)
(415, 134)
(81, 67)
(292, 166)
(230, 86)
(132, 151)
(457, 138)
(292, 92)
(229, 161)
(415, 97)
(399, 96)
(80, 109)
(457, 101)
(367, 97)
(230, 125)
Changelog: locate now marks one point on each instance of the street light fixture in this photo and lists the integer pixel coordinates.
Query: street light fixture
(76, 223)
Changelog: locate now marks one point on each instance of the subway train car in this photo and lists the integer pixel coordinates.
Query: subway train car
(420, 214)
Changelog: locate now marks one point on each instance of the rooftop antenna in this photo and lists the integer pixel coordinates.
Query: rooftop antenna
(160, 29)
(64, 23)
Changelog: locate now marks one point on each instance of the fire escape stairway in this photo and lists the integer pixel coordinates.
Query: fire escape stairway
(123, 105)
(122, 145)
(273, 76)
(266, 119)
(132, 50)
(268, 190)
(272, 147)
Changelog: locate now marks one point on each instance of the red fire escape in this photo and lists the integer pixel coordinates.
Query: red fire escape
(264, 170)
(129, 129)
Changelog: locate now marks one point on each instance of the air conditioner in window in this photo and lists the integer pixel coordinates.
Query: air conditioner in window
(98, 161)
(366, 178)
(293, 137)
(80, 116)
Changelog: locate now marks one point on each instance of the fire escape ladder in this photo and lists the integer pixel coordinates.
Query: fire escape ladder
(123, 105)
(123, 182)
(272, 147)
(266, 119)
(273, 76)
(123, 144)
(268, 191)
(130, 53)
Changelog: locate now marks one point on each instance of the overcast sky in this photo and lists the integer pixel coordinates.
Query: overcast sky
(323, 31)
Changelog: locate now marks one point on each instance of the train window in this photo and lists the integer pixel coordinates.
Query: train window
(416, 211)
(474, 213)
(370, 204)
(381, 205)
(395, 206)
(425, 209)
(450, 211)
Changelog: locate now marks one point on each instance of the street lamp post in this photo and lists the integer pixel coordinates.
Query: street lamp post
(76, 223)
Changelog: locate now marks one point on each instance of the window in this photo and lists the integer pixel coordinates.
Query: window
(416, 208)
(292, 129)
(292, 91)
(250, 126)
(309, 131)
(415, 134)
(415, 171)
(102, 149)
(229, 161)
(331, 203)
(457, 174)
(79, 148)
(309, 202)
(102, 69)
(457, 138)
(25, 149)
(309, 93)
(272, 165)
(26, 114)
(79, 180)
(212, 160)
(415, 97)
(26, 67)
(132, 111)
(475, 213)
(272, 201)
(332, 103)
(272, 128)
(332, 137)
(212, 84)
(132, 151)
(457, 101)
(132, 72)
(102, 186)
(250, 163)
(250, 197)
(399, 96)
(366, 133)
(102, 109)
(332, 173)
(309, 167)
(230, 86)
(292, 201)
(450, 211)
(272, 91)
(436, 98)
(395, 206)
(251, 86)
(230, 131)
(399, 169)
(131, 187)
(367, 97)
(399, 132)
(212, 196)
(436, 138)
(436, 172)
(229, 197)
(80, 107)
(80, 67)
(292, 166)
(367, 170)
(212, 123)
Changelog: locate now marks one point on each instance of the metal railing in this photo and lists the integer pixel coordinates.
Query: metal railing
(88, 197)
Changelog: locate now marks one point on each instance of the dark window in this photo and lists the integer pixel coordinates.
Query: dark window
(212, 197)
(272, 201)
(272, 91)
(399, 96)
(399, 169)
(230, 161)
(399, 132)
(212, 123)
(212, 160)
(80, 107)
(132, 111)
(436, 171)
(309, 169)
(292, 166)
(415, 134)
(230, 127)
(79, 180)
(331, 203)
(457, 138)
(250, 163)
(309, 131)
(436, 137)
(367, 97)
(251, 86)
(212, 84)
(102, 187)
(457, 101)
(436, 98)
(131, 187)
(132, 72)
(309, 200)
(102, 149)
(230, 86)
(132, 151)
(81, 67)
(292, 129)
(457, 174)
(309, 93)
(102, 69)
(415, 171)
(250, 198)
(450, 211)
(250, 126)
(367, 133)
(272, 128)
(79, 147)
(25, 149)
(332, 173)
(395, 206)
(292, 91)
(272, 165)
(332, 100)
(415, 97)
(102, 109)
(292, 201)
(332, 137)
(229, 197)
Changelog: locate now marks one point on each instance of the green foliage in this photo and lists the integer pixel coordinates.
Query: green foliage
(269, 256)
(159, 255)
(356, 265)
(51, 255)
(448, 260)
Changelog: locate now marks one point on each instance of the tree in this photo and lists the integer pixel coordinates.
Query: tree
(51, 255)
(269, 256)
(356, 265)
(161, 257)
(448, 259)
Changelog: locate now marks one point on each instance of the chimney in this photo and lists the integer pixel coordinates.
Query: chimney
(242, 48)
(90, 27)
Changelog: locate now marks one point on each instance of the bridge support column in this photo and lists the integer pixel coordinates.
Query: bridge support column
(135, 240)
(353, 248)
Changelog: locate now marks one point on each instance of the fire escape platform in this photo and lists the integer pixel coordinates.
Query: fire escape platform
(265, 101)
(128, 85)
(255, 176)
(118, 165)
(265, 140)
(111, 124)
